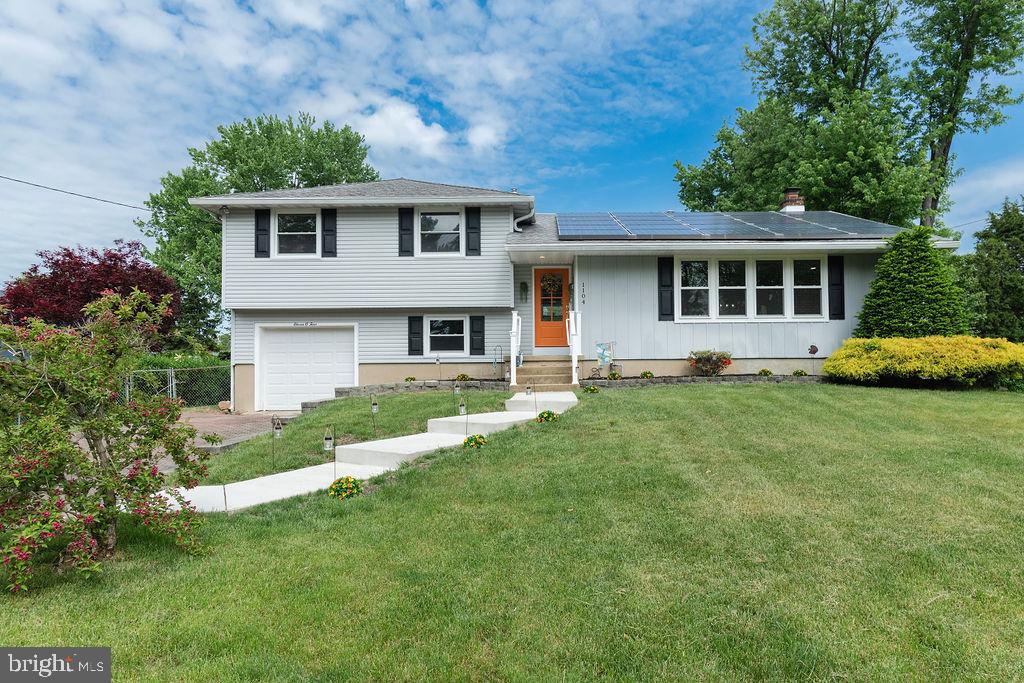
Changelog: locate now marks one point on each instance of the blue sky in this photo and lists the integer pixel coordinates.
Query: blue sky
(584, 103)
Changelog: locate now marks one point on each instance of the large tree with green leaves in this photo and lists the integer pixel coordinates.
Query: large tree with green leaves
(843, 117)
(962, 46)
(998, 270)
(265, 153)
(854, 157)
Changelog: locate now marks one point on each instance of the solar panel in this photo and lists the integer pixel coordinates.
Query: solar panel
(720, 225)
(857, 226)
(592, 225)
(650, 224)
(740, 225)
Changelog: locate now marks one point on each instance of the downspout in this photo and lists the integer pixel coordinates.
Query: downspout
(516, 223)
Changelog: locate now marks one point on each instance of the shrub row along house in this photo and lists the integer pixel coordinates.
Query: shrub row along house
(374, 282)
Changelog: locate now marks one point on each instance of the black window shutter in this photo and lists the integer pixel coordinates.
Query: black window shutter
(472, 231)
(476, 335)
(329, 226)
(666, 289)
(415, 335)
(262, 233)
(836, 288)
(405, 236)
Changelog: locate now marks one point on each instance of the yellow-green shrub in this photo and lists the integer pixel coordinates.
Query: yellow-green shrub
(929, 361)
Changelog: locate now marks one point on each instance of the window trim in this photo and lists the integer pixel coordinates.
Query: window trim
(298, 210)
(428, 351)
(822, 278)
(711, 263)
(417, 229)
(751, 288)
(719, 287)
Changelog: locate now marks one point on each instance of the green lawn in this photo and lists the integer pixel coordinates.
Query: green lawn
(691, 532)
(301, 442)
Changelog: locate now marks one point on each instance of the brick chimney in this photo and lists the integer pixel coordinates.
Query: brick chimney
(792, 200)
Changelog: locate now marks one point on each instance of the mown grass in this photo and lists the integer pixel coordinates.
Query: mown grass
(693, 532)
(301, 442)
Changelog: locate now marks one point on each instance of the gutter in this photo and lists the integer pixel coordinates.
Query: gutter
(622, 247)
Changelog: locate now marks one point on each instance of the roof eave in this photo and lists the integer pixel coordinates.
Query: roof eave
(256, 202)
(625, 247)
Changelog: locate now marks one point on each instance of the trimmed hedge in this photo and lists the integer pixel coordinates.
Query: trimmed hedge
(950, 362)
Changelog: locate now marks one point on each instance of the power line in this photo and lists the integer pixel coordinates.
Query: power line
(960, 225)
(76, 194)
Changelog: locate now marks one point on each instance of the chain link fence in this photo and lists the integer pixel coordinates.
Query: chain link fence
(195, 386)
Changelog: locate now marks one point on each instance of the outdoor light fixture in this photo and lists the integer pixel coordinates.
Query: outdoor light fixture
(456, 390)
(374, 406)
(328, 440)
(277, 426)
(529, 391)
(462, 406)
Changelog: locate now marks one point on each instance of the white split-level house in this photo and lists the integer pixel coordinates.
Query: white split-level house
(371, 283)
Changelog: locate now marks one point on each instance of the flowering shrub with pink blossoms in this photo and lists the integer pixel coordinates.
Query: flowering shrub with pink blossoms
(75, 457)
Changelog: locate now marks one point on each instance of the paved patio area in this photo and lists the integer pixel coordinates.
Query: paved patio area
(233, 429)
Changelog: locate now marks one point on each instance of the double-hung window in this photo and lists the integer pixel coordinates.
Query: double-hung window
(440, 232)
(807, 287)
(695, 289)
(732, 288)
(446, 335)
(295, 234)
(770, 288)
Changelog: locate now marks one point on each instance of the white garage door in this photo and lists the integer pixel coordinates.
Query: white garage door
(304, 364)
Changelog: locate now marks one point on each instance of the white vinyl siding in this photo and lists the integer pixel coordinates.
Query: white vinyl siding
(368, 273)
(524, 305)
(383, 335)
(621, 305)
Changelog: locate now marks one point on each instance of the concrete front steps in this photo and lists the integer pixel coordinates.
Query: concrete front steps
(370, 458)
(445, 432)
(482, 423)
(545, 373)
(557, 401)
(393, 452)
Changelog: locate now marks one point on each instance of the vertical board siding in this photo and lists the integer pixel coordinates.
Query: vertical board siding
(367, 272)
(523, 272)
(383, 335)
(621, 306)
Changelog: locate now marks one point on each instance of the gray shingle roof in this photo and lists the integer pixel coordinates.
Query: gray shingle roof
(543, 230)
(380, 189)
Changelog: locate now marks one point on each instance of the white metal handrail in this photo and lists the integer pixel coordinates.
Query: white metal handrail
(515, 339)
(573, 323)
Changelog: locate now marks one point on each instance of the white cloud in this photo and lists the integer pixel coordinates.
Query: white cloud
(981, 191)
(104, 96)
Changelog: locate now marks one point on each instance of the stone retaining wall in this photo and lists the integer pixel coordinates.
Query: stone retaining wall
(696, 379)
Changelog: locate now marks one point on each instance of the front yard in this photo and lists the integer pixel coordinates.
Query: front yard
(676, 532)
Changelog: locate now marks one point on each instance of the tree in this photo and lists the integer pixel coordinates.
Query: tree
(252, 155)
(57, 289)
(75, 456)
(826, 61)
(998, 266)
(962, 45)
(913, 293)
(854, 158)
(805, 51)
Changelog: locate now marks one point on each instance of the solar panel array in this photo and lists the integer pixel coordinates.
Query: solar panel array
(741, 225)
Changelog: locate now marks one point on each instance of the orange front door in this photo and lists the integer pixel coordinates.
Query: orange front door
(550, 306)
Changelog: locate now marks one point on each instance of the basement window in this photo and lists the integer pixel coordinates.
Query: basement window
(447, 335)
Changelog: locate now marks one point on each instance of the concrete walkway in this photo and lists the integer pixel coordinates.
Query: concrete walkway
(370, 458)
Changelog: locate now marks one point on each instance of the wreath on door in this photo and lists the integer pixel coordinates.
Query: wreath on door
(551, 284)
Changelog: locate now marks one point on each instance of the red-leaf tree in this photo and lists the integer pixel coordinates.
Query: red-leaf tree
(57, 289)
(75, 456)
